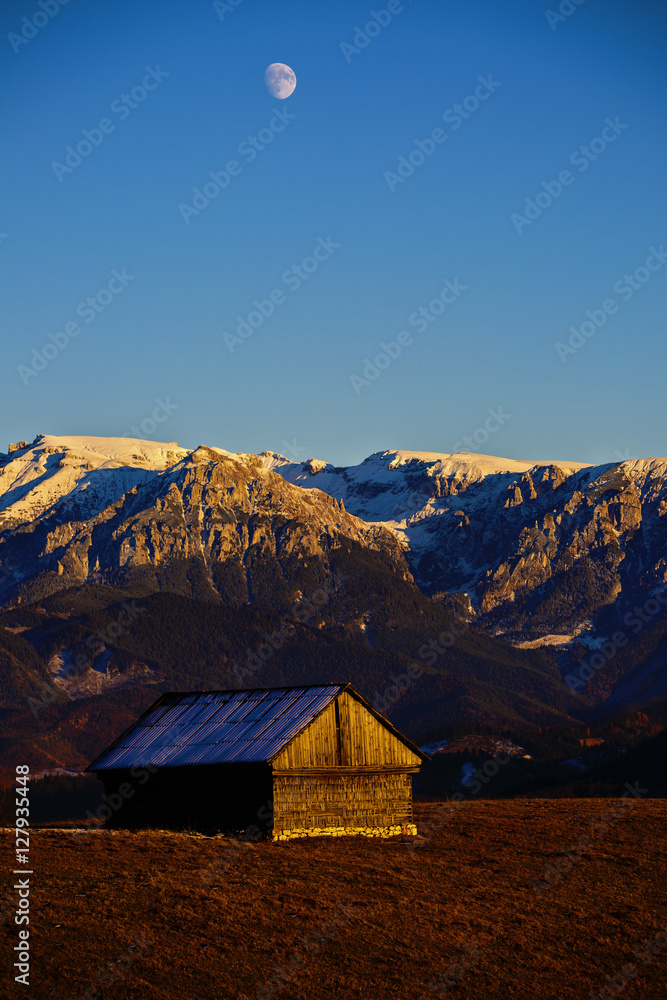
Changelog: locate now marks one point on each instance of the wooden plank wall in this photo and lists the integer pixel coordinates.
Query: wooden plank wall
(317, 746)
(303, 802)
(364, 742)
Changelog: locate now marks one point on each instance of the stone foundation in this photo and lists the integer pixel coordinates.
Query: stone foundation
(347, 831)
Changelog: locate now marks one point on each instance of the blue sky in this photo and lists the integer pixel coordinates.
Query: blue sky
(329, 175)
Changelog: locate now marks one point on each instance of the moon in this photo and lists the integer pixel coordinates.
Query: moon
(280, 80)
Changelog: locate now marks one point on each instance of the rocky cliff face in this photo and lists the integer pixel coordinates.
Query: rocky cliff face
(529, 549)
(207, 524)
(537, 547)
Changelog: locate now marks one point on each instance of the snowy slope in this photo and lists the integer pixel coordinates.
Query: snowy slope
(391, 487)
(404, 489)
(91, 471)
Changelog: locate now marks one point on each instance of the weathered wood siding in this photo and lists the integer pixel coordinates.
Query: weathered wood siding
(345, 734)
(366, 742)
(307, 802)
(317, 746)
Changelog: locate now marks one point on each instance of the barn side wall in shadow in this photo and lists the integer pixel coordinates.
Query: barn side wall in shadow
(226, 798)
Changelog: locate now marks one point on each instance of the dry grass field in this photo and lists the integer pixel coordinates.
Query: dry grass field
(164, 916)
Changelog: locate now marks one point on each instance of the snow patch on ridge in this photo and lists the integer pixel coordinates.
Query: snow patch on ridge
(394, 487)
(90, 471)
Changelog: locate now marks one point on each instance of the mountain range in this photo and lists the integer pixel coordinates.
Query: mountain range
(448, 588)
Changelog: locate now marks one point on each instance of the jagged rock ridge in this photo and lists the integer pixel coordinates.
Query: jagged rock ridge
(205, 522)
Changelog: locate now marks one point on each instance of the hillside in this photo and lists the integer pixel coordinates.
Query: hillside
(456, 912)
(84, 683)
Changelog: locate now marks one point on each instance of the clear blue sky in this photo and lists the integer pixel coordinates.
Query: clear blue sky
(323, 176)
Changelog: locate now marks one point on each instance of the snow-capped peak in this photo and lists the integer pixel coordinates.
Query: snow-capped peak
(94, 470)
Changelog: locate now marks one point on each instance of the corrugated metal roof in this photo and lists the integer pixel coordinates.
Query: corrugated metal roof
(217, 727)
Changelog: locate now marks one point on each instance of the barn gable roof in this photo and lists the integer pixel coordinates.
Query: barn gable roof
(223, 727)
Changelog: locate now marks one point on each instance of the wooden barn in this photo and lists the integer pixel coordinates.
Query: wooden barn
(288, 762)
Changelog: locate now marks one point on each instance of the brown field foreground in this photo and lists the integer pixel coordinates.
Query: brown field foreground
(157, 915)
